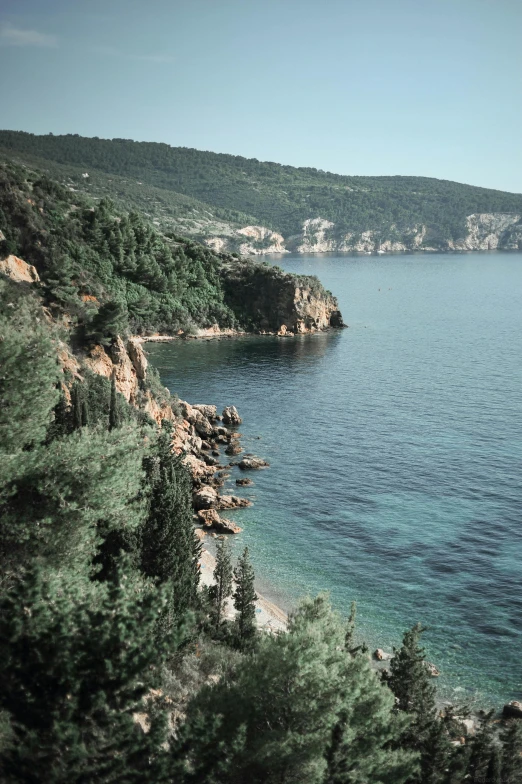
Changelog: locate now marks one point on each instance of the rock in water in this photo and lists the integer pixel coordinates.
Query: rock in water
(233, 449)
(244, 482)
(232, 502)
(252, 463)
(211, 519)
(381, 655)
(231, 416)
(513, 710)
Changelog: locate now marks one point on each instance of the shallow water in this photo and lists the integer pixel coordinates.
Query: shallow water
(396, 454)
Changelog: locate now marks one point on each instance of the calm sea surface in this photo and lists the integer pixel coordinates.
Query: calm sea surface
(396, 455)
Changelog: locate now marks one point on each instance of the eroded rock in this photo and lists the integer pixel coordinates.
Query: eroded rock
(252, 464)
(231, 416)
(232, 502)
(205, 498)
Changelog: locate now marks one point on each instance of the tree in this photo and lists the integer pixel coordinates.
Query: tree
(245, 599)
(222, 589)
(77, 660)
(114, 410)
(29, 370)
(170, 549)
(350, 628)
(110, 320)
(410, 682)
(512, 753)
(296, 689)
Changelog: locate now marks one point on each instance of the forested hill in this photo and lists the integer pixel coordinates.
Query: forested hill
(233, 201)
(112, 272)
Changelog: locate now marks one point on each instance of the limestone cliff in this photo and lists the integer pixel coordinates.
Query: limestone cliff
(483, 231)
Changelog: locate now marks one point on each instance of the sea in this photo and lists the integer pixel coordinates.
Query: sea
(395, 451)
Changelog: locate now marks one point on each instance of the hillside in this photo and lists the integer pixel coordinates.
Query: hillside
(239, 204)
(113, 272)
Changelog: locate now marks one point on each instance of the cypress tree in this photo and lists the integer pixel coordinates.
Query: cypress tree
(222, 589)
(512, 753)
(411, 684)
(77, 401)
(170, 549)
(494, 772)
(85, 413)
(114, 409)
(350, 628)
(245, 599)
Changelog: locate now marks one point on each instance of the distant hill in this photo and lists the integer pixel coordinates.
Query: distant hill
(239, 204)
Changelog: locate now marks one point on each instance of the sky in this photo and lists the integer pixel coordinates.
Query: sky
(376, 87)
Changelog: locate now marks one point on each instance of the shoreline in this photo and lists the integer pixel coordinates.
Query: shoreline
(269, 616)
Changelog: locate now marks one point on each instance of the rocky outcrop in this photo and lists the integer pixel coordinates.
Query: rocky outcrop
(18, 270)
(266, 299)
(512, 710)
(231, 416)
(209, 518)
(252, 464)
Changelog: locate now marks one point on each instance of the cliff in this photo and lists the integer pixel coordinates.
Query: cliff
(482, 231)
(266, 299)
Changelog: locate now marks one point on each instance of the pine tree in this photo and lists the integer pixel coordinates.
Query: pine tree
(296, 689)
(222, 588)
(170, 550)
(512, 753)
(77, 402)
(245, 599)
(114, 410)
(76, 661)
(350, 628)
(494, 772)
(30, 372)
(411, 684)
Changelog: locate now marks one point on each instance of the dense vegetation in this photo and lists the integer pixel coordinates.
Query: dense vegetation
(280, 197)
(114, 272)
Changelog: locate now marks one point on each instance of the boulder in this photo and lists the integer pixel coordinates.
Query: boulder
(233, 449)
(252, 463)
(512, 710)
(206, 498)
(203, 426)
(210, 519)
(209, 412)
(232, 502)
(199, 470)
(227, 526)
(381, 655)
(231, 416)
(244, 482)
(432, 670)
(19, 270)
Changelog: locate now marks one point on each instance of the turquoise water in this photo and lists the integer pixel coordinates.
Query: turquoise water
(396, 454)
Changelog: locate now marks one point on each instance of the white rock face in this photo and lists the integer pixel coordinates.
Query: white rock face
(315, 237)
(491, 230)
(485, 231)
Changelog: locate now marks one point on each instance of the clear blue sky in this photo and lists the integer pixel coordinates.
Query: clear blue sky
(427, 87)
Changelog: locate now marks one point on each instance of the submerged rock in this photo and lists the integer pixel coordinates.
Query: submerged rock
(244, 482)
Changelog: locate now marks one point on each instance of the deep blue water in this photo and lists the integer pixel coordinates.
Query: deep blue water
(396, 454)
